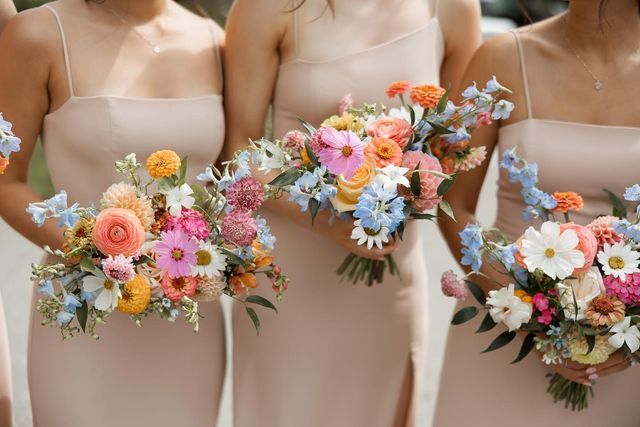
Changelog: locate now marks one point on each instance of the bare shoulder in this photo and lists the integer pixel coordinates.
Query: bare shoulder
(267, 19)
(458, 9)
(34, 31)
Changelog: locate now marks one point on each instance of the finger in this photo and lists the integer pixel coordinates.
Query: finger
(610, 370)
(573, 375)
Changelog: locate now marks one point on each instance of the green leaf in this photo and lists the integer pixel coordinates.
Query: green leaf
(591, 343)
(446, 185)
(308, 127)
(464, 315)
(286, 178)
(487, 324)
(182, 172)
(312, 156)
(619, 209)
(86, 265)
(501, 340)
(144, 259)
(440, 130)
(400, 229)
(446, 208)
(415, 182)
(314, 207)
(235, 259)
(257, 299)
(423, 216)
(412, 115)
(442, 104)
(477, 292)
(254, 318)
(82, 315)
(527, 346)
(200, 194)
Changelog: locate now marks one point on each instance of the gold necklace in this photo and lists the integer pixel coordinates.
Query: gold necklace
(155, 48)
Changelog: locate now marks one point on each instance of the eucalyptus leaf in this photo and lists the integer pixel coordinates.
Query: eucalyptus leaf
(257, 299)
(423, 216)
(254, 318)
(464, 315)
(446, 208)
(412, 114)
(286, 178)
(446, 185)
(235, 259)
(308, 127)
(400, 230)
(86, 265)
(487, 324)
(591, 343)
(527, 346)
(501, 340)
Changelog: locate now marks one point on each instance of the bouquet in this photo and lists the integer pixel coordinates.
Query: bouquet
(158, 246)
(573, 290)
(9, 143)
(382, 167)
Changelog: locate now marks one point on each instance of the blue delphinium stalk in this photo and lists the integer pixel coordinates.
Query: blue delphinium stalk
(502, 110)
(472, 242)
(302, 190)
(64, 318)
(265, 238)
(55, 207)
(632, 194)
(46, 288)
(71, 303)
(9, 143)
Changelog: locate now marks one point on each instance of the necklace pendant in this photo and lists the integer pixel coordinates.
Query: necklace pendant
(156, 49)
(598, 85)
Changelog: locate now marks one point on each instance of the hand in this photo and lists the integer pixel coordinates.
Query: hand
(587, 374)
(340, 232)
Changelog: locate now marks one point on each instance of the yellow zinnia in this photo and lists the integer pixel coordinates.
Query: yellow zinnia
(163, 163)
(347, 121)
(136, 296)
(600, 353)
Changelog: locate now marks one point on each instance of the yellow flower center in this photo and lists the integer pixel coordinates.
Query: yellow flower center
(108, 285)
(370, 231)
(616, 262)
(384, 152)
(177, 254)
(204, 257)
(347, 151)
(549, 253)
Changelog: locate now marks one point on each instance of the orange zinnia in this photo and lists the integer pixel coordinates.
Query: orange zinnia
(384, 151)
(427, 96)
(398, 88)
(568, 201)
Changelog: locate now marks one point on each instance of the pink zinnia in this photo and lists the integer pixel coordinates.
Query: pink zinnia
(343, 154)
(178, 287)
(239, 228)
(246, 194)
(602, 228)
(429, 183)
(119, 268)
(627, 291)
(191, 222)
(176, 253)
(452, 286)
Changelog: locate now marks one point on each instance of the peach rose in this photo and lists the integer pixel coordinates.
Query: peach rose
(118, 231)
(393, 128)
(587, 244)
(349, 191)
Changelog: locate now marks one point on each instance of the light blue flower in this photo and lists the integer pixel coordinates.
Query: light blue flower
(38, 214)
(632, 194)
(522, 276)
(471, 92)
(508, 256)
(9, 144)
(484, 103)
(174, 313)
(459, 135)
(64, 318)
(327, 192)
(528, 175)
(166, 302)
(449, 110)
(302, 190)
(225, 182)
(89, 296)
(244, 168)
(265, 238)
(57, 203)
(206, 176)
(502, 110)
(71, 303)
(529, 213)
(509, 159)
(532, 195)
(472, 257)
(379, 207)
(69, 216)
(493, 86)
(627, 229)
(46, 288)
(548, 201)
(471, 236)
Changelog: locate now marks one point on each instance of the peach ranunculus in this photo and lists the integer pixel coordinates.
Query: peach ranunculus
(349, 191)
(118, 231)
(3, 164)
(587, 244)
(384, 151)
(427, 96)
(393, 128)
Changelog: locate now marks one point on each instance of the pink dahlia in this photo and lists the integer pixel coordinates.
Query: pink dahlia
(602, 228)
(452, 286)
(175, 288)
(627, 291)
(343, 154)
(246, 194)
(429, 183)
(119, 268)
(294, 140)
(239, 228)
(176, 253)
(191, 222)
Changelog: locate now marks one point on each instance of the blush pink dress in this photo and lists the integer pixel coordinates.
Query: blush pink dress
(162, 374)
(485, 389)
(336, 354)
(5, 373)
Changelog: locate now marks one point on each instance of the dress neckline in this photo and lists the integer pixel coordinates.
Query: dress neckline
(568, 123)
(424, 27)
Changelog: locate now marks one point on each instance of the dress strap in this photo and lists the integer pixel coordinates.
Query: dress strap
(295, 24)
(525, 79)
(216, 41)
(435, 8)
(65, 50)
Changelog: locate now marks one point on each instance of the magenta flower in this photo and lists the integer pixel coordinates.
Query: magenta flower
(246, 194)
(239, 228)
(627, 291)
(343, 154)
(191, 222)
(176, 253)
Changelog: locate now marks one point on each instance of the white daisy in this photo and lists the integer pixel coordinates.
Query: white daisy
(391, 176)
(210, 261)
(555, 253)
(178, 198)
(362, 235)
(625, 333)
(619, 260)
(506, 307)
(109, 291)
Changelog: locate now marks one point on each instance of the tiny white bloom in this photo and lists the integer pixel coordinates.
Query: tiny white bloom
(270, 157)
(555, 253)
(619, 260)
(404, 114)
(506, 307)
(210, 261)
(362, 235)
(178, 198)
(391, 176)
(107, 299)
(584, 288)
(625, 333)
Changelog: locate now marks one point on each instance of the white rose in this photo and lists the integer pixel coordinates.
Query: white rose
(585, 288)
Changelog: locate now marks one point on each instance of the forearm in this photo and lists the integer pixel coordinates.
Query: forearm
(7, 11)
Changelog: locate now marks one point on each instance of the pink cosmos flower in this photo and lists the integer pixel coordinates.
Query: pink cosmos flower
(343, 154)
(246, 194)
(627, 291)
(176, 253)
(119, 268)
(239, 228)
(452, 286)
(191, 222)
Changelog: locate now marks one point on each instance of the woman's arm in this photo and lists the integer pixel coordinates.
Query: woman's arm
(7, 11)
(256, 30)
(27, 44)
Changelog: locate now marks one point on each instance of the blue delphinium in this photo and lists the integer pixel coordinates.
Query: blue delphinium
(627, 229)
(471, 92)
(493, 86)
(265, 238)
(206, 176)
(632, 194)
(302, 190)
(38, 214)
(9, 143)
(46, 288)
(460, 134)
(472, 242)
(71, 303)
(508, 255)
(502, 110)
(472, 258)
(55, 207)
(64, 318)
(378, 207)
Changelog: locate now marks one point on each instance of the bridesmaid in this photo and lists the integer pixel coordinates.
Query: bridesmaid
(565, 121)
(335, 355)
(98, 80)
(7, 10)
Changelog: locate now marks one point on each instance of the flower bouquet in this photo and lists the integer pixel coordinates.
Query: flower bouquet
(9, 143)
(157, 246)
(382, 167)
(572, 290)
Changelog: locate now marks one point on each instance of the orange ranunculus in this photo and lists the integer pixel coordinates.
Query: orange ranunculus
(349, 191)
(393, 128)
(427, 96)
(3, 164)
(398, 88)
(118, 231)
(242, 282)
(568, 201)
(384, 151)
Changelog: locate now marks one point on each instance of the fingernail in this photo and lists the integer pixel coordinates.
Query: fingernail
(593, 377)
(591, 370)
(587, 383)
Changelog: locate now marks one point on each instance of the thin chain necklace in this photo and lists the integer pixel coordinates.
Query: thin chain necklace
(154, 47)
